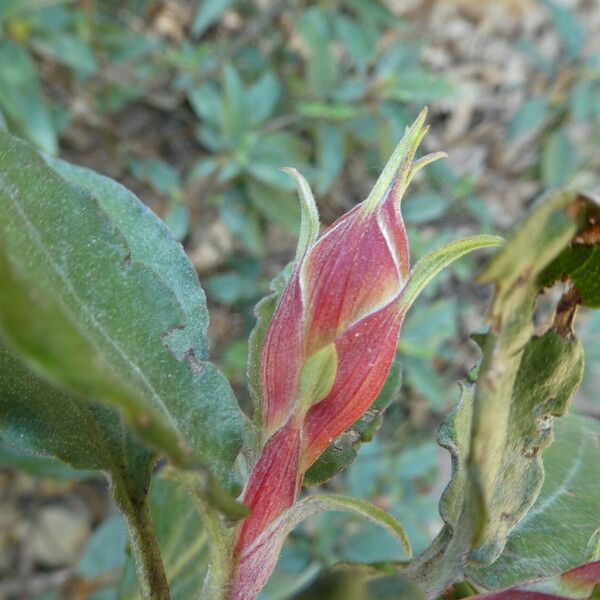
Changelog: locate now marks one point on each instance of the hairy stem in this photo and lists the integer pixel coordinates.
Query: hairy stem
(143, 542)
(218, 577)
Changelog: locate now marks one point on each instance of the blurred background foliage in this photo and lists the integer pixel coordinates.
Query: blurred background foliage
(197, 104)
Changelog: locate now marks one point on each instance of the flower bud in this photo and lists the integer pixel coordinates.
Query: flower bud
(329, 346)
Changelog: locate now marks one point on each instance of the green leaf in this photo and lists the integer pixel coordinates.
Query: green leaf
(399, 56)
(582, 581)
(582, 100)
(424, 378)
(514, 270)
(177, 219)
(399, 165)
(499, 429)
(339, 111)
(261, 98)
(70, 50)
(21, 100)
(322, 72)
(105, 552)
(593, 547)
(455, 436)
(233, 109)
(342, 452)
(581, 265)
(360, 41)
(330, 155)
(203, 168)
(442, 562)
(54, 423)
(103, 319)
(208, 12)
(373, 12)
(539, 238)
(553, 536)
(569, 29)
(242, 222)
(523, 381)
(182, 540)
(558, 161)
(316, 377)
(549, 373)
(422, 208)
(530, 115)
(272, 152)
(151, 244)
(416, 86)
(361, 582)
(232, 287)
(160, 175)
(207, 103)
(40, 420)
(427, 327)
(37, 466)
(277, 206)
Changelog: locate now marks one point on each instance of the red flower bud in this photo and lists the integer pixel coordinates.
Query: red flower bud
(328, 349)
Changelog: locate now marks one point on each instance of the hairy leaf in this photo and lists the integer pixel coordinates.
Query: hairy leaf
(40, 420)
(309, 213)
(515, 396)
(537, 241)
(151, 244)
(504, 422)
(554, 535)
(582, 582)
(38, 466)
(442, 562)
(99, 320)
(549, 373)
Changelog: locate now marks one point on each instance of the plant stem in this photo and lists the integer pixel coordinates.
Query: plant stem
(143, 542)
(218, 577)
(146, 553)
(219, 574)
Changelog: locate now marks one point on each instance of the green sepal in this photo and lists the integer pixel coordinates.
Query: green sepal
(437, 260)
(400, 166)
(309, 213)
